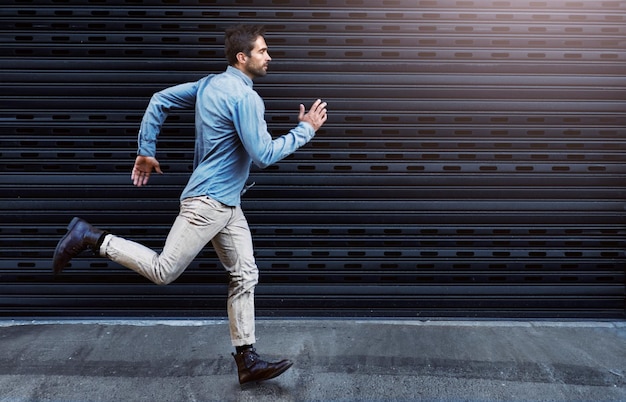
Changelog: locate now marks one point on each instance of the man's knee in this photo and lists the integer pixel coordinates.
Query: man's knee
(246, 280)
(164, 276)
(162, 281)
(165, 271)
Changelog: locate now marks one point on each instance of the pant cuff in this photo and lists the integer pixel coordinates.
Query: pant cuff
(105, 243)
(246, 341)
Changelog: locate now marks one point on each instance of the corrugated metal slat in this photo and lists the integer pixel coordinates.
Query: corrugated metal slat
(472, 164)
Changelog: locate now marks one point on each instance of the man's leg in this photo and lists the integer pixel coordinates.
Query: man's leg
(235, 250)
(199, 220)
(233, 246)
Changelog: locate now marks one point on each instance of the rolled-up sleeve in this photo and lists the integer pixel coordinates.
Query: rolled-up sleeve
(181, 96)
(250, 123)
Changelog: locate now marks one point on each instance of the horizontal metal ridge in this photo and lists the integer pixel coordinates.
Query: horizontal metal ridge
(472, 163)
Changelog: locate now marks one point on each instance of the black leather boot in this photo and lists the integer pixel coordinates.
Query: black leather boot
(79, 237)
(251, 368)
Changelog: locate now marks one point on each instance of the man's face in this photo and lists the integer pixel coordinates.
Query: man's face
(256, 64)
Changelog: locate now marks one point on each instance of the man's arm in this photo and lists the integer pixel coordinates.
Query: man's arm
(264, 151)
(181, 96)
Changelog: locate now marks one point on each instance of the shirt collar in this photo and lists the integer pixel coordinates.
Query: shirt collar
(240, 74)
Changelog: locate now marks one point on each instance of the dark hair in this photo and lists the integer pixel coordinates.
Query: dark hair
(241, 38)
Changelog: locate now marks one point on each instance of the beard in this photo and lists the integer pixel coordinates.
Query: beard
(257, 71)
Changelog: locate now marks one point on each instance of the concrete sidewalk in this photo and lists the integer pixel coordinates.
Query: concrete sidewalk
(339, 360)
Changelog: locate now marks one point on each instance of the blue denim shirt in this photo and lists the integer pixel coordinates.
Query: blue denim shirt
(231, 133)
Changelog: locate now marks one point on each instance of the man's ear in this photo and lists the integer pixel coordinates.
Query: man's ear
(241, 58)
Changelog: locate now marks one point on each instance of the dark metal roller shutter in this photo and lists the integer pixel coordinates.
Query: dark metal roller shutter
(472, 164)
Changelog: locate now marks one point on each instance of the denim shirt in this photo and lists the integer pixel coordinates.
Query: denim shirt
(231, 133)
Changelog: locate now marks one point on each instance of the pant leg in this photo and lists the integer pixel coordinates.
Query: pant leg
(234, 247)
(199, 220)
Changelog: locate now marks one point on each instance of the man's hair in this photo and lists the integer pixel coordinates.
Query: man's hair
(241, 38)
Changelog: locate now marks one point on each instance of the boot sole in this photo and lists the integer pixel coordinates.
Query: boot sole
(276, 374)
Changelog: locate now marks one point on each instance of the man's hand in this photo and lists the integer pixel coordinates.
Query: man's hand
(142, 169)
(316, 115)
